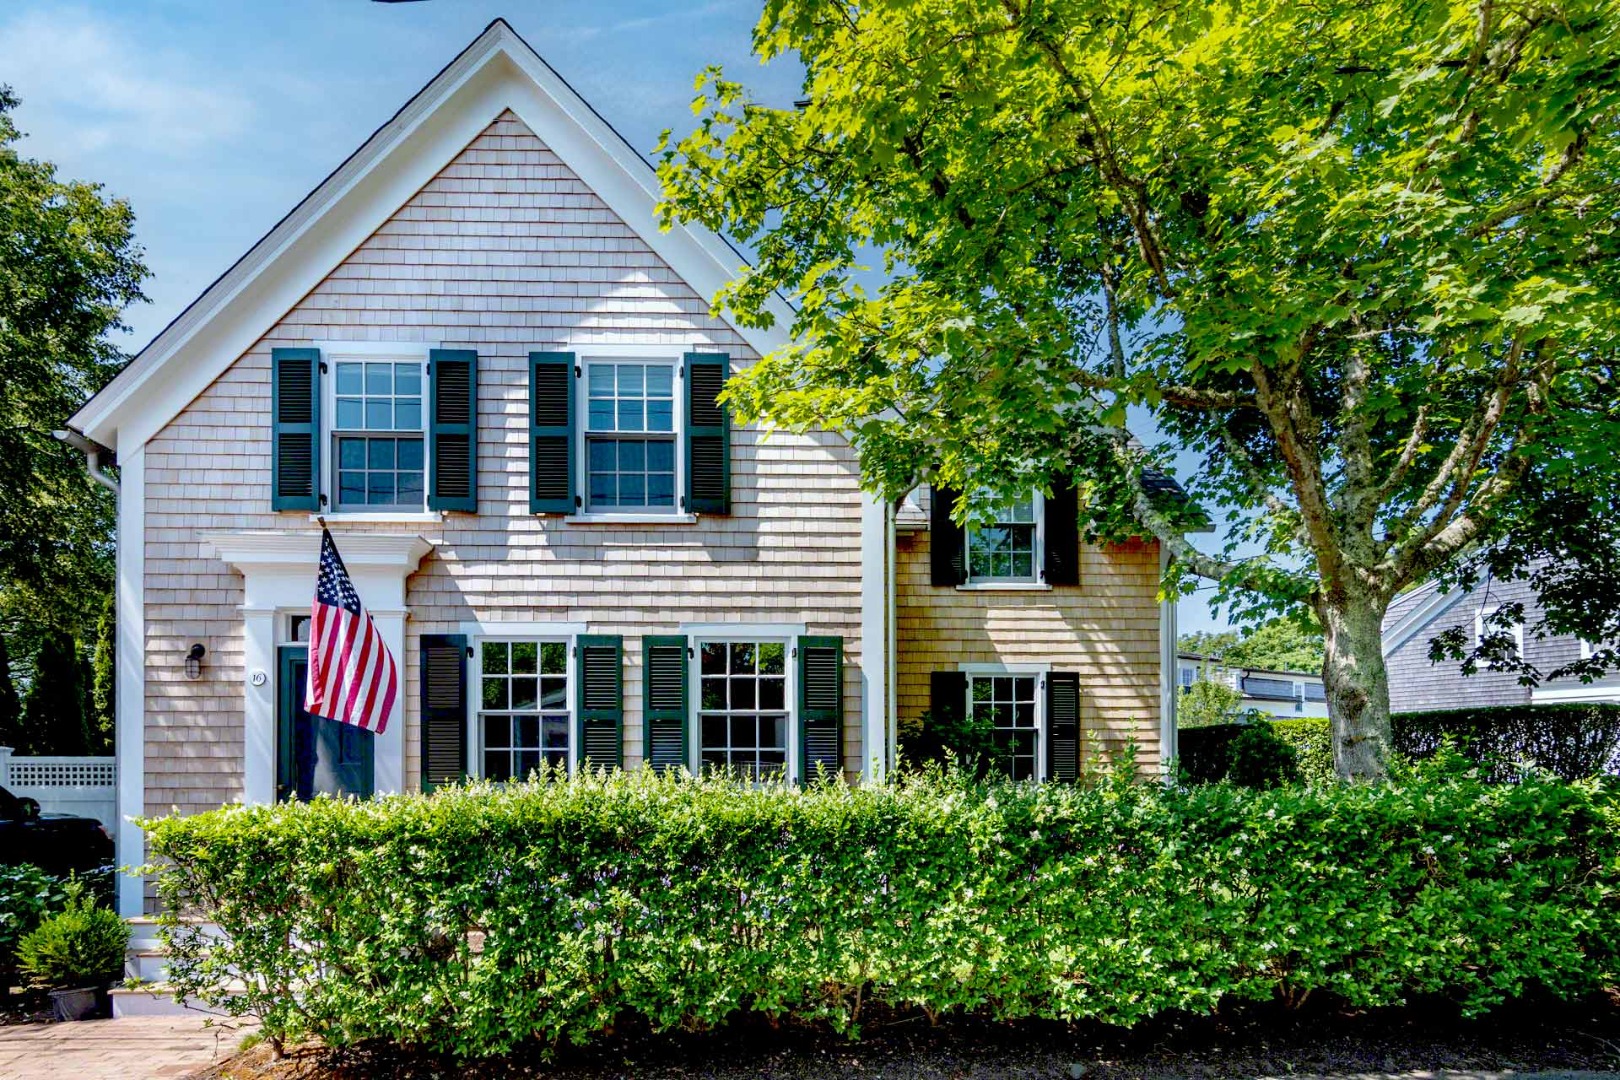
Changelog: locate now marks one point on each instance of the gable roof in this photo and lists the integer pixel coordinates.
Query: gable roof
(1410, 613)
(496, 72)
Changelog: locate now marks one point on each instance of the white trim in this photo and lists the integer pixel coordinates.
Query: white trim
(1037, 555)
(715, 630)
(496, 72)
(874, 638)
(676, 518)
(521, 631)
(1036, 667)
(371, 352)
(1169, 675)
(1422, 614)
(380, 517)
(375, 350)
(1594, 692)
(130, 687)
(473, 732)
(994, 585)
(757, 633)
(1487, 610)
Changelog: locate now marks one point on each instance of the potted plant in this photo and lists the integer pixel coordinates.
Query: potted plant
(75, 954)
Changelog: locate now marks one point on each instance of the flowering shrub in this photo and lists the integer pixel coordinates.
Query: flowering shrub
(476, 919)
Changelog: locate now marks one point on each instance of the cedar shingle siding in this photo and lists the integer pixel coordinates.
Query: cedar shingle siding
(505, 251)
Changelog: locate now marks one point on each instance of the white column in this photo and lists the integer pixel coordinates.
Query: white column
(389, 762)
(1167, 669)
(874, 638)
(5, 766)
(259, 704)
(130, 736)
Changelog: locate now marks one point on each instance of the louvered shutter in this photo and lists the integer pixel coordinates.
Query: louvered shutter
(1063, 726)
(708, 435)
(295, 429)
(821, 705)
(1062, 525)
(444, 709)
(551, 433)
(453, 430)
(601, 700)
(664, 699)
(947, 697)
(947, 541)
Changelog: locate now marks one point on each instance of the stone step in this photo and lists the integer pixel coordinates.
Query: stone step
(156, 999)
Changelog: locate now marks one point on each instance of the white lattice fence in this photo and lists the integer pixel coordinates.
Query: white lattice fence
(64, 785)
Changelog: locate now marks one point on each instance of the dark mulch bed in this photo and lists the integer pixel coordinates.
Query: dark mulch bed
(1246, 1042)
(19, 1006)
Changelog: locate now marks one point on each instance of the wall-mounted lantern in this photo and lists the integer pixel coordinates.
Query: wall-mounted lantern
(194, 660)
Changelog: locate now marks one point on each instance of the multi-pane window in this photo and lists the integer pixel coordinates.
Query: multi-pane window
(742, 707)
(1006, 549)
(377, 432)
(1006, 703)
(630, 436)
(523, 716)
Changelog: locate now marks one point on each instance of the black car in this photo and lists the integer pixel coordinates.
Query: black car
(56, 843)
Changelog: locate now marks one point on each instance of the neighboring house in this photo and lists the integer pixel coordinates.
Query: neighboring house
(1275, 693)
(1416, 684)
(473, 351)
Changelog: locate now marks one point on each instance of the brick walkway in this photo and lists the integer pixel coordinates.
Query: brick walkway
(134, 1048)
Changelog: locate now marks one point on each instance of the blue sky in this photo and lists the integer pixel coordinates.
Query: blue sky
(213, 119)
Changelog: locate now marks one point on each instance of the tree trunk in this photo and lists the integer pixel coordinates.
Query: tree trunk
(1357, 687)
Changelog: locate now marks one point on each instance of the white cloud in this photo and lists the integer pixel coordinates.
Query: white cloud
(90, 86)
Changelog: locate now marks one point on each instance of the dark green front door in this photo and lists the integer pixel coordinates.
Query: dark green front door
(314, 755)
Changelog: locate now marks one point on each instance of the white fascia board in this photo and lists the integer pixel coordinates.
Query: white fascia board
(498, 71)
(1593, 692)
(1423, 613)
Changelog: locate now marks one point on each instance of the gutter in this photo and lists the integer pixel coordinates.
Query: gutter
(97, 458)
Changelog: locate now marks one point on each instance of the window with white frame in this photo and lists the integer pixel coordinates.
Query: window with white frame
(378, 449)
(744, 721)
(1483, 625)
(631, 427)
(524, 717)
(1009, 549)
(1010, 704)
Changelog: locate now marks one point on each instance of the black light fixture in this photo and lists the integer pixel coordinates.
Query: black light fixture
(194, 660)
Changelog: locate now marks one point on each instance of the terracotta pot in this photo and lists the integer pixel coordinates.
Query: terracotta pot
(79, 1004)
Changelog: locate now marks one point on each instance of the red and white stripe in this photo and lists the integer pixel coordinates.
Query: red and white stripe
(352, 677)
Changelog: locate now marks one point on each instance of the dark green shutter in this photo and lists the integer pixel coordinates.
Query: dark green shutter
(947, 541)
(947, 698)
(1063, 726)
(453, 430)
(295, 429)
(1062, 562)
(708, 436)
(551, 433)
(821, 705)
(601, 700)
(663, 702)
(444, 709)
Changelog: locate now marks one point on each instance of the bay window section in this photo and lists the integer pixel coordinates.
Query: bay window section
(524, 719)
(743, 715)
(630, 433)
(377, 435)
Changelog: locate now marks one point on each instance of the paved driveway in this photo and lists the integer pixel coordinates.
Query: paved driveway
(134, 1048)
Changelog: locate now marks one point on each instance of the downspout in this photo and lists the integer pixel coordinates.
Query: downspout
(96, 457)
(1168, 749)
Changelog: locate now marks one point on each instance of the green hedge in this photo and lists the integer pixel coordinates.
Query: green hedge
(1570, 741)
(475, 920)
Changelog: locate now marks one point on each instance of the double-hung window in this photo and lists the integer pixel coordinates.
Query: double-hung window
(378, 448)
(524, 708)
(1485, 625)
(1009, 704)
(743, 715)
(631, 427)
(1010, 548)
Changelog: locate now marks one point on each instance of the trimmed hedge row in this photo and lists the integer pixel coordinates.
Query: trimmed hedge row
(476, 920)
(1570, 741)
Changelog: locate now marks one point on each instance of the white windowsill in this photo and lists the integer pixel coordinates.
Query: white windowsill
(630, 519)
(1005, 586)
(383, 517)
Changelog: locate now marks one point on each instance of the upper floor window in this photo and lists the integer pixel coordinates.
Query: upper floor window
(377, 435)
(1010, 549)
(1483, 626)
(630, 436)
(524, 719)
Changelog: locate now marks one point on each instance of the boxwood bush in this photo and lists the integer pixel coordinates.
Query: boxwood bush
(476, 920)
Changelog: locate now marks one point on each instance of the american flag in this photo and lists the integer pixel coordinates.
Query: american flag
(352, 677)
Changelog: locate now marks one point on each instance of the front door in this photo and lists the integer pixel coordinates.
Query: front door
(313, 755)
